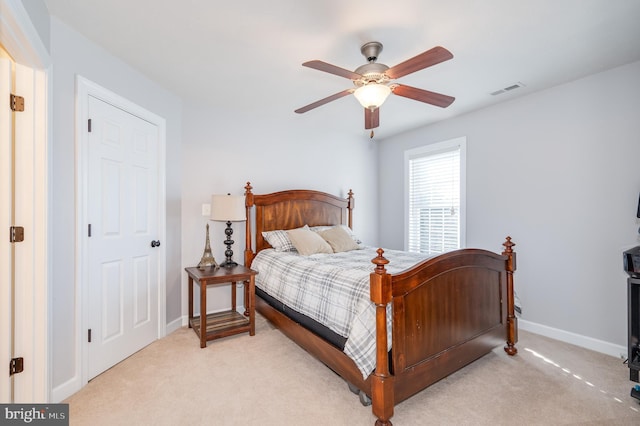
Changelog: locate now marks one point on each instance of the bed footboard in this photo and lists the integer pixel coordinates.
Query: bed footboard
(447, 312)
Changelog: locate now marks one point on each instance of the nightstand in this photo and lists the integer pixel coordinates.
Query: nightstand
(222, 324)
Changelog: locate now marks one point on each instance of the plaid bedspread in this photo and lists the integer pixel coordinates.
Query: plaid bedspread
(333, 289)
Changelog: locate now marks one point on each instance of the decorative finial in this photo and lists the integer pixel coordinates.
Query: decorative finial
(508, 245)
(380, 261)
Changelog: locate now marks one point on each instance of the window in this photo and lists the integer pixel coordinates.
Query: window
(435, 188)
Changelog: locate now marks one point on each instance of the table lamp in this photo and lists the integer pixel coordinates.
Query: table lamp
(228, 208)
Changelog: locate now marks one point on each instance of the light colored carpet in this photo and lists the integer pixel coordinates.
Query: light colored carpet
(268, 380)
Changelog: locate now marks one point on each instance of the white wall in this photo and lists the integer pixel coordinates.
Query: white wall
(223, 148)
(73, 54)
(558, 171)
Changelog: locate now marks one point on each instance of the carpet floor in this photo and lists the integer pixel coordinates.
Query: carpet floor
(268, 380)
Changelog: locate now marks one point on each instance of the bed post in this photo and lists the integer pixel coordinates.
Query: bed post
(381, 382)
(248, 203)
(350, 206)
(512, 321)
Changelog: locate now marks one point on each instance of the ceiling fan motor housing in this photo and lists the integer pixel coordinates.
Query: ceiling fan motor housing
(371, 50)
(370, 73)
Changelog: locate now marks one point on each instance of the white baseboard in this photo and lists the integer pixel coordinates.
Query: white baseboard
(65, 390)
(601, 346)
(176, 324)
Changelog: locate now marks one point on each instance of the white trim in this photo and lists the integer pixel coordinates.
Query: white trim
(601, 346)
(433, 148)
(19, 37)
(84, 89)
(66, 389)
(176, 324)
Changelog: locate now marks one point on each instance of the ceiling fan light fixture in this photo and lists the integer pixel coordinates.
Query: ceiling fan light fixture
(372, 95)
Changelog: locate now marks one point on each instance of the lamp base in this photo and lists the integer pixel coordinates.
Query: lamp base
(227, 264)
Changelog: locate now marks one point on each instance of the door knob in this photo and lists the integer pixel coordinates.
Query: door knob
(155, 243)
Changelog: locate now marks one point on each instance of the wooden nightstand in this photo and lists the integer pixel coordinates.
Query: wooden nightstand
(222, 324)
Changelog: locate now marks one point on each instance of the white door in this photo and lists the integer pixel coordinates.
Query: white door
(23, 263)
(122, 194)
(6, 220)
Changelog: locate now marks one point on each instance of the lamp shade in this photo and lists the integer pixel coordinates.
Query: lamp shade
(372, 95)
(227, 208)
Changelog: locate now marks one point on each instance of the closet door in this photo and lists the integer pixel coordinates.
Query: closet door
(122, 204)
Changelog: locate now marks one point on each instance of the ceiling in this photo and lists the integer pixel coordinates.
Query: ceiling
(246, 55)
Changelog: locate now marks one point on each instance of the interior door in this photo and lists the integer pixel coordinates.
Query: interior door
(122, 234)
(6, 213)
(23, 280)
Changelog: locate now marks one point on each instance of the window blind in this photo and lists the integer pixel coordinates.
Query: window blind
(434, 201)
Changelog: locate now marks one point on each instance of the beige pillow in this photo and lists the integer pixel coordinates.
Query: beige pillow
(308, 242)
(339, 239)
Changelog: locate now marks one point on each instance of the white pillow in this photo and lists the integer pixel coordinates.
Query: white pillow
(346, 229)
(339, 239)
(308, 242)
(279, 239)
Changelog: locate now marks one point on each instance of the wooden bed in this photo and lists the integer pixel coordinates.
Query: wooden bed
(447, 311)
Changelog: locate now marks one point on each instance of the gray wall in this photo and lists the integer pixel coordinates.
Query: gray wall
(558, 171)
(39, 15)
(72, 55)
(223, 148)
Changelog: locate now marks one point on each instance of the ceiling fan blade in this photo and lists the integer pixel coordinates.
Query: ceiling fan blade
(332, 69)
(371, 118)
(326, 100)
(425, 96)
(426, 59)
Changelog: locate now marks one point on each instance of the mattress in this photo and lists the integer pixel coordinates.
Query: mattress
(332, 290)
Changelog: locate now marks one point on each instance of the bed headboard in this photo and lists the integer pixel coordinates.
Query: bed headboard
(292, 209)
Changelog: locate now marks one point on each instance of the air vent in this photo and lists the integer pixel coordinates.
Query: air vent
(507, 89)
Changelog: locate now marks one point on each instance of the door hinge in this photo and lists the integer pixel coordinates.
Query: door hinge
(16, 234)
(89, 336)
(89, 125)
(16, 365)
(16, 103)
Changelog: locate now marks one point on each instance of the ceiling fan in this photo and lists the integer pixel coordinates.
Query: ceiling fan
(373, 81)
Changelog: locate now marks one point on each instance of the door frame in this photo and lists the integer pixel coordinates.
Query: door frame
(21, 40)
(84, 89)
